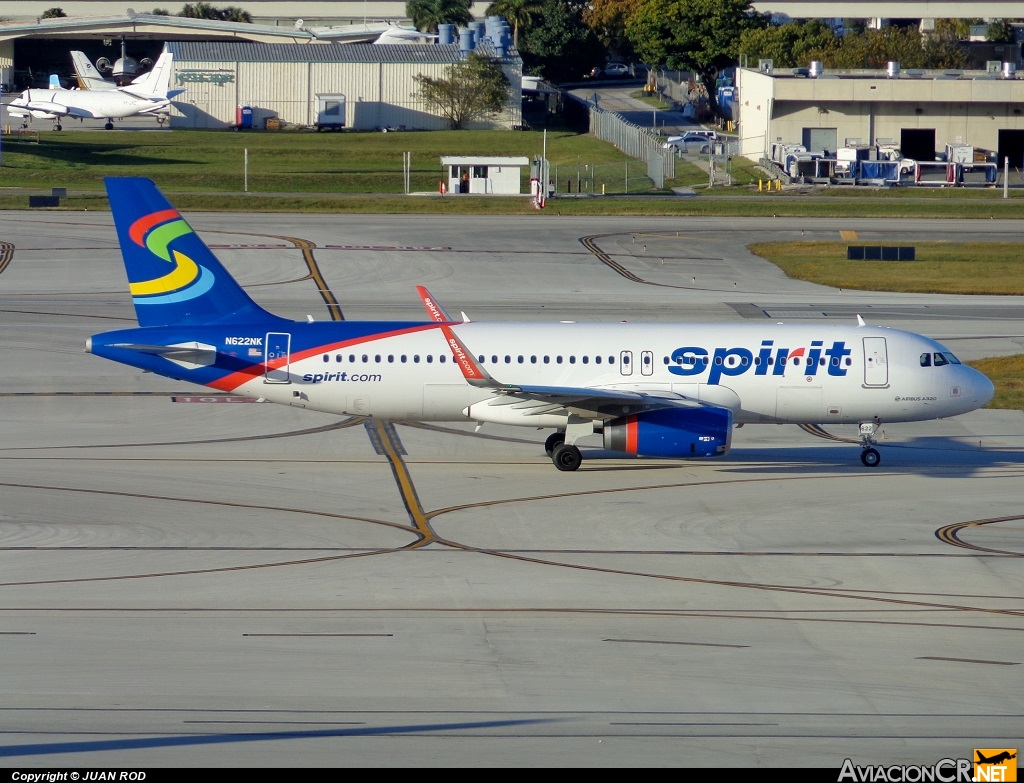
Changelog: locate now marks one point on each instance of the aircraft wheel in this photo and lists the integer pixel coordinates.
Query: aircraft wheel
(567, 458)
(57, 127)
(871, 458)
(109, 126)
(554, 440)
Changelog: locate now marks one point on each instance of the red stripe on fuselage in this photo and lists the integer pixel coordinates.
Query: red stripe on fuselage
(236, 379)
(138, 229)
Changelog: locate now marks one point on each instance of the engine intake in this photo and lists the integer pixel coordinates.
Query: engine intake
(695, 432)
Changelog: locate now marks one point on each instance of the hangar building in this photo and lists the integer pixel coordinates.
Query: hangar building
(290, 82)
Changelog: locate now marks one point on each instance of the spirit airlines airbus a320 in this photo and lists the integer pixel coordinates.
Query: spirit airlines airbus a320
(658, 390)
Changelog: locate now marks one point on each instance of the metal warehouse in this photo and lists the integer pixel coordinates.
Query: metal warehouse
(370, 85)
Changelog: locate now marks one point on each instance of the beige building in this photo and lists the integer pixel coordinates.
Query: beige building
(920, 111)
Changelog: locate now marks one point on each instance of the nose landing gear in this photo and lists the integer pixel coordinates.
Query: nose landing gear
(869, 456)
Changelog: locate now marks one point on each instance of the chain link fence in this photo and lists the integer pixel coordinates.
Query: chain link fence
(638, 142)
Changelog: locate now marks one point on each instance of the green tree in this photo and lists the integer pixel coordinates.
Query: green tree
(1000, 31)
(702, 36)
(53, 13)
(944, 48)
(564, 47)
(426, 15)
(607, 18)
(207, 11)
(233, 14)
(199, 11)
(474, 89)
(160, 12)
(961, 28)
(789, 45)
(518, 14)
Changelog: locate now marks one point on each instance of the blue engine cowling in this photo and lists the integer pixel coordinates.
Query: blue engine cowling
(671, 432)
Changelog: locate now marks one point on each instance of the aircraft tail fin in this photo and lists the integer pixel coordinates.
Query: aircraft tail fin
(54, 83)
(173, 276)
(88, 77)
(156, 83)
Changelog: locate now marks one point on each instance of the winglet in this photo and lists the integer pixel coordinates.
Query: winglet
(860, 321)
(474, 374)
(434, 310)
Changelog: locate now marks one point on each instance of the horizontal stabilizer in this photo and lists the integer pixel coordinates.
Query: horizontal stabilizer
(185, 354)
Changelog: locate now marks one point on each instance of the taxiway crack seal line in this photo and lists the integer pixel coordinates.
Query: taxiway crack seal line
(307, 247)
(6, 255)
(386, 438)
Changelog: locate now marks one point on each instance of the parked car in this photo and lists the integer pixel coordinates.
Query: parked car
(698, 140)
(610, 71)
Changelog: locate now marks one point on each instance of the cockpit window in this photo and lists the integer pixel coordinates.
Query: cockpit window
(926, 360)
(942, 358)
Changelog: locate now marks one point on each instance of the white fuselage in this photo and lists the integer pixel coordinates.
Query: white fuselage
(766, 373)
(84, 104)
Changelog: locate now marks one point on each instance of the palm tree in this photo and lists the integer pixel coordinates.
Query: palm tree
(426, 15)
(518, 13)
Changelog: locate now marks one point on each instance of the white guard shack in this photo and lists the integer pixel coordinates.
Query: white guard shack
(468, 174)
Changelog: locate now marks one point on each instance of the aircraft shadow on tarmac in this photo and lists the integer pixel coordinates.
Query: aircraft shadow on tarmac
(135, 743)
(104, 154)
(924, 456)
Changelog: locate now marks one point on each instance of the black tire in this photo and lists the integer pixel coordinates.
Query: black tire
(567, 458)
(555, 439)
(57, 127)
(871, 458)
(109, 126)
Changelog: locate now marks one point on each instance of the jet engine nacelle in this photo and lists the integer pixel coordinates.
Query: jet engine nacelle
(671, 432)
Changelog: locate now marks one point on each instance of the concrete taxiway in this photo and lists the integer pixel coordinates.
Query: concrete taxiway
(189, 580)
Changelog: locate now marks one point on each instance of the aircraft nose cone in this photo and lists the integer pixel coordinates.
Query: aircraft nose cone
(984, 389)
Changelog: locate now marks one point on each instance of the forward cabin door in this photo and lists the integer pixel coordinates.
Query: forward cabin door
(876, 362)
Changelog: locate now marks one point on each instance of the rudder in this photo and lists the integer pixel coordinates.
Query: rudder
(173, 276)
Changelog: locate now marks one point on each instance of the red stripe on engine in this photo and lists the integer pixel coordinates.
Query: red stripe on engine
(632, 434)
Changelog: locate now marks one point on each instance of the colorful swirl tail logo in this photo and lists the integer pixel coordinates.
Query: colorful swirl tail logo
(185, 279)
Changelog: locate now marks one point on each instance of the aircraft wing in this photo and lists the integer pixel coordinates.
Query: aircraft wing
(47, 108)
(588, 402)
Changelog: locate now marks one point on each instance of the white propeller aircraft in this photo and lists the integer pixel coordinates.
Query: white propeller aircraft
(658, 390)
(148, 95)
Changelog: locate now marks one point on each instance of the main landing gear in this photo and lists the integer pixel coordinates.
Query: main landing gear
(869, 456)
(564, 456)
(561, 445)
(109, 126)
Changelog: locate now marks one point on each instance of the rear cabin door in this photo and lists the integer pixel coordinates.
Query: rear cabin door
(876, 362)
(277, 357)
